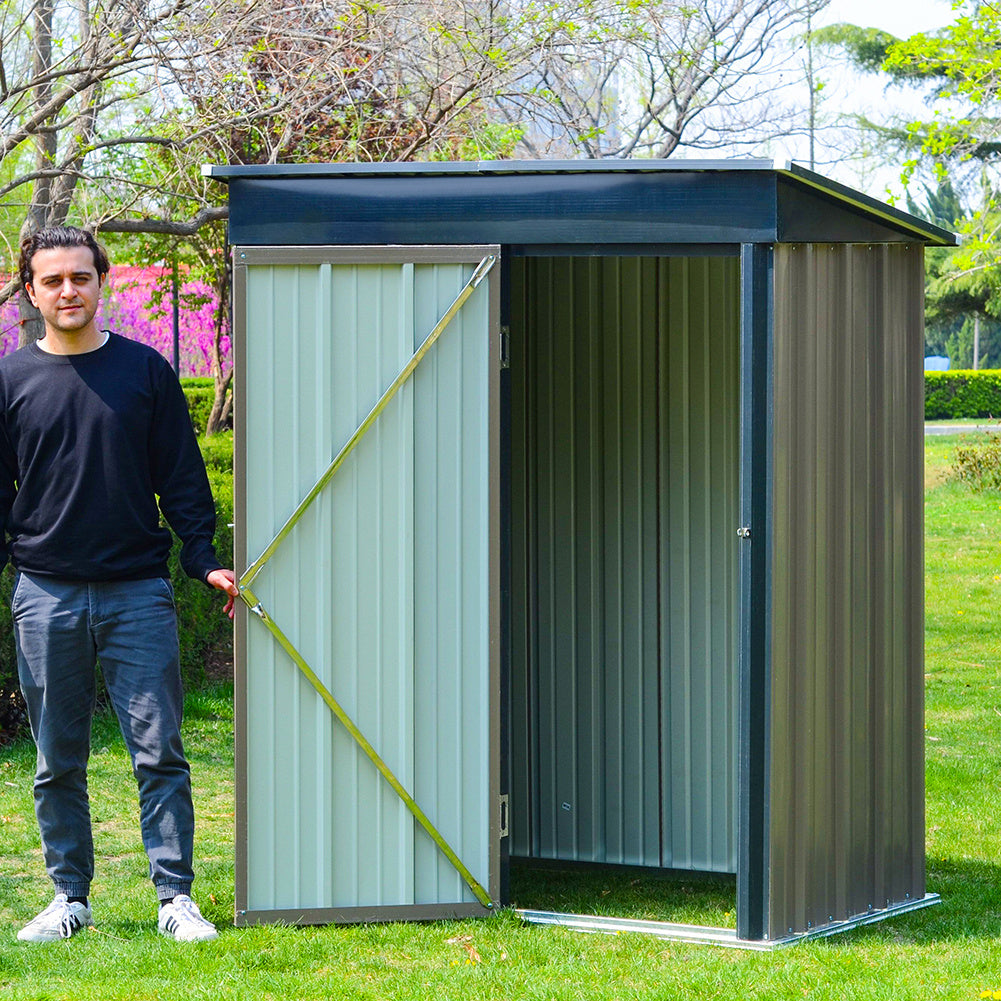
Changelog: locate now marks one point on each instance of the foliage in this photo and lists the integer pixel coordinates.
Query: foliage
(958, 394)
(206, 634)
(961, 303)
(978, 462)
(866, 47)
(965, 63)
(958, 145)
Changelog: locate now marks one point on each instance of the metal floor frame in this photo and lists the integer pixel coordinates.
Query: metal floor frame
(726, 937)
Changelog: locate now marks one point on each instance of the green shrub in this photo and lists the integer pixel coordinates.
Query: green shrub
(200, 394)
(978, 463)
(953, 395)
(205, 633)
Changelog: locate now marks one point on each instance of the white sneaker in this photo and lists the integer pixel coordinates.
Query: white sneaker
(181, 920)
(59, 920)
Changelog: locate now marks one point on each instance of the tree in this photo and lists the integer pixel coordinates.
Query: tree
(958, 146)
(652, 77)
(120, 102)
(960, 307)
(64, 69)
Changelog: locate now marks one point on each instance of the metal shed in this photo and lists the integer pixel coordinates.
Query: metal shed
(579, 511)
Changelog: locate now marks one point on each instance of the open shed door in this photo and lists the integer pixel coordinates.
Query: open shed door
(367, 550)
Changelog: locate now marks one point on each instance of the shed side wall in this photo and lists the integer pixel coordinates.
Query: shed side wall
(624, 506)
(847, 765)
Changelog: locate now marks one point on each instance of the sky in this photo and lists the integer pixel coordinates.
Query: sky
(899, 17)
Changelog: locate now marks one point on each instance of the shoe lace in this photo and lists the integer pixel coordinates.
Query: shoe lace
(63, 913)
(186, 910)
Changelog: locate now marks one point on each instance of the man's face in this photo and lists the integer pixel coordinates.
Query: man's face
(65, 289)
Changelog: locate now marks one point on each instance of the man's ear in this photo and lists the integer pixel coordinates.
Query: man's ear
(31, 294)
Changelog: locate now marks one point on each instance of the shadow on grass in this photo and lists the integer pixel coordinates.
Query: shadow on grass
(630, 892)
(970, 908)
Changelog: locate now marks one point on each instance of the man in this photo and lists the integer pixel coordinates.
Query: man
(93, 429)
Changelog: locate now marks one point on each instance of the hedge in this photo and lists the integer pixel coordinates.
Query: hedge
(963, 393)
(206, 635)
(200, 393)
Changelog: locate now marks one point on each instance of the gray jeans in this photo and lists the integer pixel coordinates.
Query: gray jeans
(61, 628)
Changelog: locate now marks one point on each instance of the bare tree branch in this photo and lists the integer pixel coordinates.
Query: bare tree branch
(171, 227)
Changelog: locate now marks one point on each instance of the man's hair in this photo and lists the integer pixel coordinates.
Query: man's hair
(59, 236)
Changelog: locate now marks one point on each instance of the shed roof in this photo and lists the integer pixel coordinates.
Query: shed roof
(579, 203)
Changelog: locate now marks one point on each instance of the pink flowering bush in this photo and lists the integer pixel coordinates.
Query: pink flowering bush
(9, 326)
(136, 303)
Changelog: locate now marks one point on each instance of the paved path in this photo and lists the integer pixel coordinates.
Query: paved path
(960, 428)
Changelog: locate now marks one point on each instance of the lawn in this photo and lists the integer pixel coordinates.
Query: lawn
(949, 951)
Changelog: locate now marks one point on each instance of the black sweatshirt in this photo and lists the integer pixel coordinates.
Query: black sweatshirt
(87, 444)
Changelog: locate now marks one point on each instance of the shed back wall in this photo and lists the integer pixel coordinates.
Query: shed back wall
(624, 501)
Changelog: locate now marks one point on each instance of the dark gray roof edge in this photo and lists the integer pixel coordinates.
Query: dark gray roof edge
(926, 230)
(833, 189)
(226, 172)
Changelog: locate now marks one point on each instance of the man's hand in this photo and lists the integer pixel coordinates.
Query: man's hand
(225, 580)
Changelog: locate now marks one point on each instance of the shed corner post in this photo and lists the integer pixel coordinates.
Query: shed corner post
(756, 368)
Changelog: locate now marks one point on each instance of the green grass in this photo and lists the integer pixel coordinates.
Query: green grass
(951, 951)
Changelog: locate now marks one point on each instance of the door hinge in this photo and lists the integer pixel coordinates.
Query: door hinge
(502, 833)
(505, 346)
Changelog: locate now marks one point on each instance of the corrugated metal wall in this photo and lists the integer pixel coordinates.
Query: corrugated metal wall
(846, 755)
(625, 421)
(382, 586)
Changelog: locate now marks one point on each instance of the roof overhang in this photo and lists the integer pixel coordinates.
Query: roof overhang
(553, 202)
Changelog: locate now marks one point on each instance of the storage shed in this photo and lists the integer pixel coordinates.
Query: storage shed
(579, 518)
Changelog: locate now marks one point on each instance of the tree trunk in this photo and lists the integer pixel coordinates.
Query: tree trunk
(32, 328)
(222, 402)
(222, 406)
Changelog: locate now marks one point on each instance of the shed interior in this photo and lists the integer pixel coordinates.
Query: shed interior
(623, 600)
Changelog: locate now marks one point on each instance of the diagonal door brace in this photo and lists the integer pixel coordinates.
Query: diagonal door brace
(482, 269)
(248, 596)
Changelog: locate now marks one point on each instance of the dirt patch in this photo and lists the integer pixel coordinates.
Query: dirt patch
(13, 716)
(219, 665)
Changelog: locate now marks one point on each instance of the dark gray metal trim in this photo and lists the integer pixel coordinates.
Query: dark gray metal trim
(839, 197)
(755, 591)
(871, 206)
(508, 209)
(623, 249)
(224, 172)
